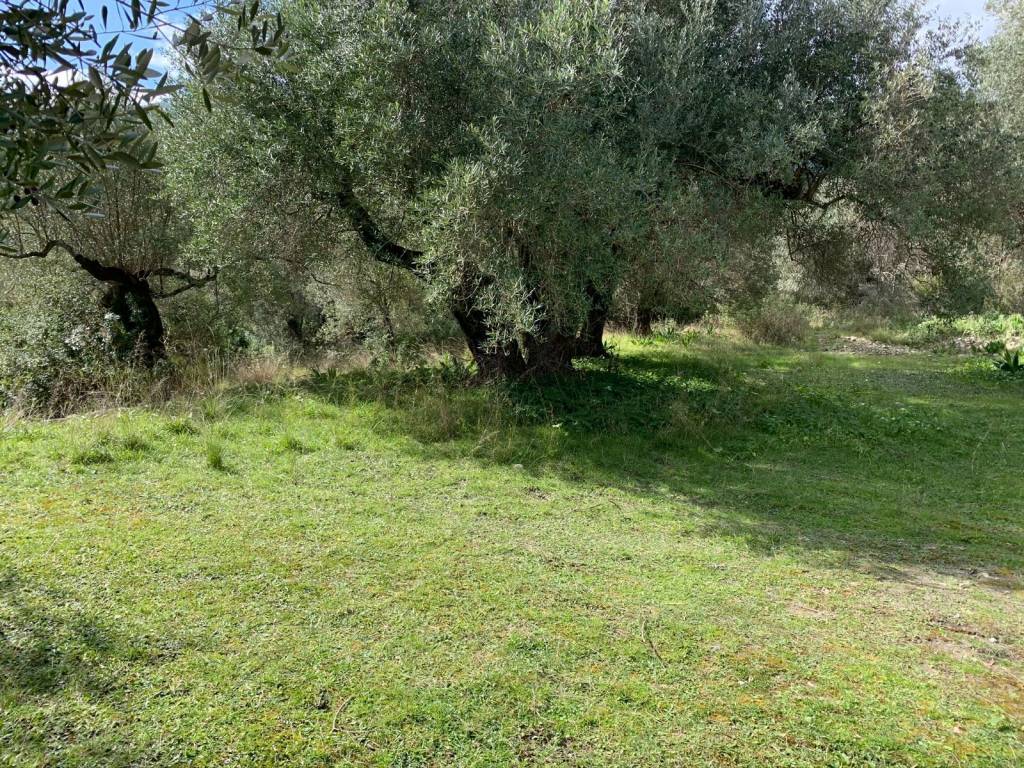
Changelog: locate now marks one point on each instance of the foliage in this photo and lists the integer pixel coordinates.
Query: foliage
(133, 250)
(525, 161)
(1004, 83)
(52, 366)
(70, 107)
(215, 454)
(77, 155)
(967, 331)
(58, 346)
(778, 320)
(1009, 361)
(524, 172)
(1005, 65)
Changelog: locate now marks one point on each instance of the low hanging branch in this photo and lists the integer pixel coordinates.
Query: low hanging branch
(189, 280)
(119, 275)
(43, 252)
(382, 247)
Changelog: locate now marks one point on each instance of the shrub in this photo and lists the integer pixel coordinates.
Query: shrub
(779, 321)
(990, 332)
(292, 444)
(181, 426)
(1009, 362)
(54, 367)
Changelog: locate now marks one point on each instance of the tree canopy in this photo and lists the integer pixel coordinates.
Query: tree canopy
(523, 158)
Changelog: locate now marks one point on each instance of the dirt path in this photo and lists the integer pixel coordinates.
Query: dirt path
(858, 345)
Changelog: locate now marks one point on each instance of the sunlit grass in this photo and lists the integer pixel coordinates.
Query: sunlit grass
(705, 553)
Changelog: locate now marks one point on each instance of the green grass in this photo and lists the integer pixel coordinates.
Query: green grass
(706, 555)
(215, 454)
(937, 333)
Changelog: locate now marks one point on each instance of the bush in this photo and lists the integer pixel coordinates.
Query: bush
(215, 455)
(1009, 362)
(779, 321)
(53, 367)
(977, 331)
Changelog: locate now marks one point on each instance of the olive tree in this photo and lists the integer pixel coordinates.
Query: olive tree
(1006, 61)
(132, 250)
(1005, 80)
(522, 158)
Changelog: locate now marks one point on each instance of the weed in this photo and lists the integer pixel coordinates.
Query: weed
(215, 454)
(212, 409)
(454, 371)
(182, 426)
(346, 443)
(779, 322)
(134, 443)
(107, 446)
(292, 444)
(93, 455)
(1009, 362)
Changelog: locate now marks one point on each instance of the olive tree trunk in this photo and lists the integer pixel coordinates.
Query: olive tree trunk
(134, 304)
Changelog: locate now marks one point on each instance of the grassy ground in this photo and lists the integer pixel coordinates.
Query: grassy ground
(709, 555)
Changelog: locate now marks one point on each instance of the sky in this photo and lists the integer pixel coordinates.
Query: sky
(963, 9)
(967, 10)
(143, 38)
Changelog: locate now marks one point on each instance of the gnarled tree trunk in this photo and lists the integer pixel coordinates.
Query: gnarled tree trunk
(130, 296)
(547, 352)
(133, 302)
(643, 321)
(491, 362)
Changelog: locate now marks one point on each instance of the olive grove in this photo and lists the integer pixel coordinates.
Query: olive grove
(517, 174)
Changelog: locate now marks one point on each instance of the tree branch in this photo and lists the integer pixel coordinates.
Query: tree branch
(382, 247)
(189, 280)
(119, 275)
(43, 252)
(98, 270)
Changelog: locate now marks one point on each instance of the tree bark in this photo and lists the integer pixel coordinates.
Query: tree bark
(591, 339)
(642, 323)
(551, 353)
(491, 362)
(149, 325)
(134, 304)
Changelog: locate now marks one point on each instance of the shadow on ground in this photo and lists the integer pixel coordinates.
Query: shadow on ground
(56, 663)
(885, 463)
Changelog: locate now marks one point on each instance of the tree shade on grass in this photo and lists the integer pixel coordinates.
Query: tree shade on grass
(707, 554)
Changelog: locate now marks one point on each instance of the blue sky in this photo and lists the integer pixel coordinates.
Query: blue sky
(964, 9)
(143, 38)
(967, 10)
